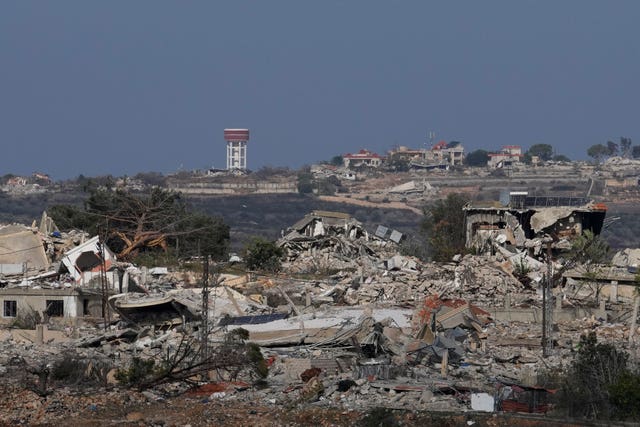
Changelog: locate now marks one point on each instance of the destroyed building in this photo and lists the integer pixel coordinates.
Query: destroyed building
(48, 274)
(376, 329)
(90, 263)
(524, 221)
(317, 223)
(341, 239)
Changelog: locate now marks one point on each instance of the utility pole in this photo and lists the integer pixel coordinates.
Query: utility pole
(205, 310)
(431, 135)
(547, 306)
(103, 283)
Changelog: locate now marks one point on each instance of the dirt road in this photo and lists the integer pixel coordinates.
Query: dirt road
(366, 203)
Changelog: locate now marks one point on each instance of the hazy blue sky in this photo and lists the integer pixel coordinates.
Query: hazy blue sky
(120, 87)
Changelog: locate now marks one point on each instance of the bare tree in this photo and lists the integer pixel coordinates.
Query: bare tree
(141, 222)
(184, 360)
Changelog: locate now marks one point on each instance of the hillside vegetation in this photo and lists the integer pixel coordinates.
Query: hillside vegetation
(267, 215)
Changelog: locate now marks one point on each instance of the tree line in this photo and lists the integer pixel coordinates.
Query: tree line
(134, 224)
(546, 152)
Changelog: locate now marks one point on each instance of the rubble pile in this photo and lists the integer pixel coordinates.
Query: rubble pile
(370, 269)
(366, 364)
(405, 280)
(377, 329)
(327, 241)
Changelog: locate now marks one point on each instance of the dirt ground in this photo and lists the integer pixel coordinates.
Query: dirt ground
(365, 203)
(117, 407)
(185, 411)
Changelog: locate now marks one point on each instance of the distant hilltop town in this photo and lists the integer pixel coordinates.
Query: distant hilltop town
(400, 173)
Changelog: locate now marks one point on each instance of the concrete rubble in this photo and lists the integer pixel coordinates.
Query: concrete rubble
(371, 328)
(629, 258)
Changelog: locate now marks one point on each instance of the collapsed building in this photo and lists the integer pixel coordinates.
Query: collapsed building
(46, 274)
(38, 276)
(525, 222)
(370, 327)
(323, 241)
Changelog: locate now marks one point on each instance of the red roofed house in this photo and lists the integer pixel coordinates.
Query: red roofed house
(362, 158)
(439, 146)
(42, 177)
(508, 156)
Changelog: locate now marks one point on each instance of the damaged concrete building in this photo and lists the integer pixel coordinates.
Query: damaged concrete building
(47, 274)
(369, 328)
(324, 240)
(524, 222)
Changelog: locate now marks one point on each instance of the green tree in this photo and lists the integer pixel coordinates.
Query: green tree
(612, 148)
(598, 152)
(398, 163)
(305, 183)
(599, 383)
(200, 234)
(591, 253)
(151, 178)
(477, 158)
(543, 151)
(336, 161)
(624, 395)
(328, 186)
(635, 152)
(560, 158)
(443, 226)
(262, 254)
(589, 248)
(68, 217)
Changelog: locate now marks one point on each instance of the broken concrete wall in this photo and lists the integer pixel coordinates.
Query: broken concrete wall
(85, 263)
(544, 218)
(627, 258)
(20, 245)
(53, 303)
(533, 315)
(487, 227)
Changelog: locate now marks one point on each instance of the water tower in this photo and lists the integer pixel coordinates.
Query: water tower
(236, 148)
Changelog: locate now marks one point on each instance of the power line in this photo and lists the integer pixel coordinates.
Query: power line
(20, 250)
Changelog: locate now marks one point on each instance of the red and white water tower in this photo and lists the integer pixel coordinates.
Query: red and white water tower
(236, 148)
